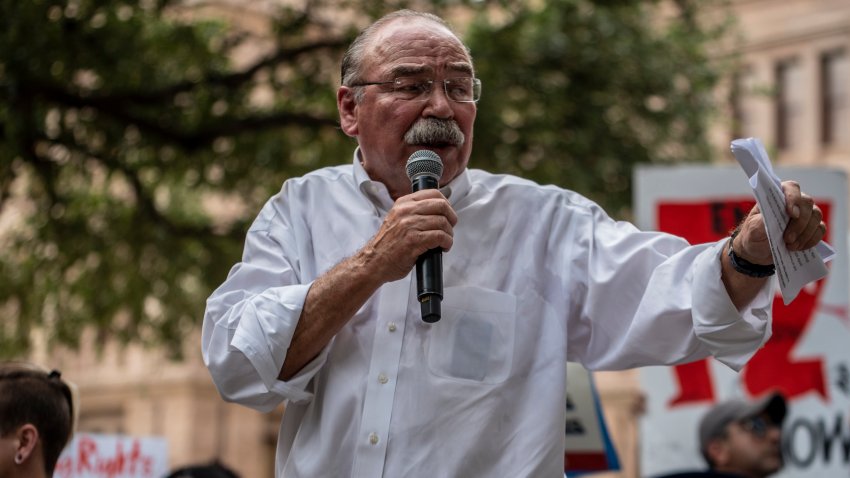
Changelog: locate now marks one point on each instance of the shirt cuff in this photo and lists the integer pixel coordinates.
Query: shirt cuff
(264, 334)
(732, 336)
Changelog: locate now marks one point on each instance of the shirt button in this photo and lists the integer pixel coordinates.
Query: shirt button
(382, 378)
(373, 438)
(392, 327)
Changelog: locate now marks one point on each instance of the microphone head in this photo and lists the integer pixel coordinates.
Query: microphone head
(424, 162)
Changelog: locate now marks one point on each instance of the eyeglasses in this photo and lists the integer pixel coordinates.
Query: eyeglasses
(461, 90)
(757, 426)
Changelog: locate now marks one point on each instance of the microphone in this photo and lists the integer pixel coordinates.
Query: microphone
(424, 169)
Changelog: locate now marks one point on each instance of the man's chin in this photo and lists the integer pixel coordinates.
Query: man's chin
(775, 464)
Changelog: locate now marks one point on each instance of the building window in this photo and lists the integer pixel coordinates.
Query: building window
(742, 98)
(789, 104)
(102, 420)
(835, 98)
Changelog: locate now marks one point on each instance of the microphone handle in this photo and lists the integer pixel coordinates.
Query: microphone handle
(429, 267)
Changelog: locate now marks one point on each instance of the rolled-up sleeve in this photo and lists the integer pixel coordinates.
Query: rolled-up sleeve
(251, 318)
(732, 336)
(651, 299)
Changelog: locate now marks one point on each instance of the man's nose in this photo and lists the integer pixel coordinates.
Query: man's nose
(439, 105)
(774, 432)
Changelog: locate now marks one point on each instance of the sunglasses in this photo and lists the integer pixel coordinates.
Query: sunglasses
(757, 426)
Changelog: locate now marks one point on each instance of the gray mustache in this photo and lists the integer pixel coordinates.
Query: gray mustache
(427, 131)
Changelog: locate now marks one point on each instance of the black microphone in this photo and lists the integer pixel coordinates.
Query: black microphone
(424, 169)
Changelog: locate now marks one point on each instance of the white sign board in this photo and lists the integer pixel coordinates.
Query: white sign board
(587, 446)
(808, 356)
(92, 455)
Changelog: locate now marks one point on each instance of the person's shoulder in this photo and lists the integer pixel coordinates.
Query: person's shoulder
(297, 190)
(509, 186)
(325, 174)
(319, 181)
(700, 474)
(494, 181)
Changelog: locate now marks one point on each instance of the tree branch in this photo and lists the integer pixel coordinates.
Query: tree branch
(282, 55)
(188, 140)
(145, 201)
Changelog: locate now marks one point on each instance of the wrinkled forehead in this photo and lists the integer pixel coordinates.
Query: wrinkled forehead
(414, 46)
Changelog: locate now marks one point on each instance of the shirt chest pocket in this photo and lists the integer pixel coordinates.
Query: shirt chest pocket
(474, 339)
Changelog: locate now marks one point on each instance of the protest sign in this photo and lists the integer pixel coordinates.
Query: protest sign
(91, 455)
(807, 357)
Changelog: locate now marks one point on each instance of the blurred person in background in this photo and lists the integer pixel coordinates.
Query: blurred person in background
(36, 419)
(741, 439)
(213, 470)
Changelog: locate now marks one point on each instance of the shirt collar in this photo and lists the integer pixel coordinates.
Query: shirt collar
(378, 195)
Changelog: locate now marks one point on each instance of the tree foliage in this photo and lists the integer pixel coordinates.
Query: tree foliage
(120, 121)
(577, 93)
(134, 150)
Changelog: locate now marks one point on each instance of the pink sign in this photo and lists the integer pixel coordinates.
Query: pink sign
(113, 456)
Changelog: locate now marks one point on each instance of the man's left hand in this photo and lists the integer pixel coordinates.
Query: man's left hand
(804, 230)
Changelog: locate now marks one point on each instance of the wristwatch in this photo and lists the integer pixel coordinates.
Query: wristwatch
(746, 267)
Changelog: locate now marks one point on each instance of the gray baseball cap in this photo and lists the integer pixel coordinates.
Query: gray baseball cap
(724, 413)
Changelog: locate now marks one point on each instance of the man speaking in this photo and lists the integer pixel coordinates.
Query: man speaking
(323, 312)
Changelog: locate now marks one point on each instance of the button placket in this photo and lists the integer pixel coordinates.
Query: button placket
(370, 456)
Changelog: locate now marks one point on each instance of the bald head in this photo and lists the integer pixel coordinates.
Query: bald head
(352, 62)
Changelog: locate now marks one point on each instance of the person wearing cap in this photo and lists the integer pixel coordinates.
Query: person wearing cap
(322, 313)
(741, 439)
(36, 419)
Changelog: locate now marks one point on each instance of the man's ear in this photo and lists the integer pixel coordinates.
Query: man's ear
(27, 436)
(718, 451)
(347, 106)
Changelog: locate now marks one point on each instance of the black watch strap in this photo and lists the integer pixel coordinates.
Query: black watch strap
(746, 267)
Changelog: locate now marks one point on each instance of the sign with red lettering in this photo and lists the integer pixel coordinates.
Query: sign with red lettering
(92, 455)
(807, 357)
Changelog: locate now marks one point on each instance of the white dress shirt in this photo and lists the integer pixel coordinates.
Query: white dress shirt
(537, 276)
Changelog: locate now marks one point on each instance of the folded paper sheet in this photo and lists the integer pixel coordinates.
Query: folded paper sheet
(794, 269)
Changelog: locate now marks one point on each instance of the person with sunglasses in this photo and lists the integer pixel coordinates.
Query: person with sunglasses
(741, 439)
(36, 420)
(323, 312)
